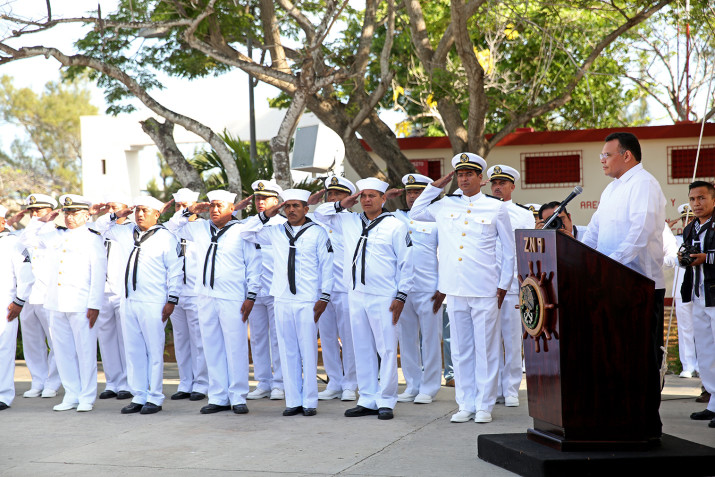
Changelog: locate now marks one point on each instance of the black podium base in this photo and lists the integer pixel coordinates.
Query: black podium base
(516, 453)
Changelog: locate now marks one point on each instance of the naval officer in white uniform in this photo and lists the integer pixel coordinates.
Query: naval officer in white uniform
(420, 326)
(378, 269)
(227, 285)
(302, 282)
(503, 182)
(15, 283)
(151, 291)
(77, 273)
(471, 226)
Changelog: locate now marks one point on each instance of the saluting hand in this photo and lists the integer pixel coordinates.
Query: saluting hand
(13, 311)
(392, 193)
(50, 217)
(273, 211)
(315, 197)
(246, 309)
(318, 309)
(199, 207)
(166, 312)
(438, 299)
(15, 218)
(350, 200)
(242, 204)
(443, 181)
(166, 207)
(396, 309)
(92, 315)
(124, 212)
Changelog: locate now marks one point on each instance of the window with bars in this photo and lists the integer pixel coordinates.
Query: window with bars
(543, 170)
(681, 162)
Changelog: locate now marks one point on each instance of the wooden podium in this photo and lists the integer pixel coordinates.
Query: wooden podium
(587, 323)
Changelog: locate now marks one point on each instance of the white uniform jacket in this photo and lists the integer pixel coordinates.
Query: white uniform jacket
(520, 218)
(424, 252)
(265, 251)
(77, 265)
(468, 231)
(189, 255)
(379, 265)
(336, 241)
(16, 278)
(234, 264)
(312, 276)
(40, 266)
(152, 272)
(117, 258)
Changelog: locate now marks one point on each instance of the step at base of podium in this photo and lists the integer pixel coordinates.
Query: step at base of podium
(521, 455)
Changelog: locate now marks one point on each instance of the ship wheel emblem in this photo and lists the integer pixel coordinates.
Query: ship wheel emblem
(534, 307)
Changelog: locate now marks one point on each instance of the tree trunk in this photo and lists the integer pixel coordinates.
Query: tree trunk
(280, 143)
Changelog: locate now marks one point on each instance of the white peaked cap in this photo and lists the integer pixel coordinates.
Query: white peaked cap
(501, 171)
(295, 194)
(684, 208)
(148, 201)
(40, 201)
(534, 208)
(186, 195)
(3, 211)
(222, 195)
(372, 183)
(416, 181)
(266, 188)
(72, 201)
(339, 183)
(470, 161)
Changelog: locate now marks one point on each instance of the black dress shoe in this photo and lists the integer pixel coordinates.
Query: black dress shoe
(197, 397)
(309, 411)
(705, 415)
(180, 395)
(240, 409)
(213, 408)
(3, 406)
(703, 398)
(710, 424)
(107, 394)
(359, 411)
(292, 411)
(124, 395)
(132, 408)
(150, 408)
(385, 414)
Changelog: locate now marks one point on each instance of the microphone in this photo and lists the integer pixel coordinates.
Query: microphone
(576, 191)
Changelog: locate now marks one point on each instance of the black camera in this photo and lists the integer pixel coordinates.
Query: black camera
(556, 224)
(684, 252)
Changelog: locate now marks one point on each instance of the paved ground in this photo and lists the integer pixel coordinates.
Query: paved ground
(181, 442)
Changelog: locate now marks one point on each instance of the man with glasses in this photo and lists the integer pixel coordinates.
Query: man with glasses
(628, 227)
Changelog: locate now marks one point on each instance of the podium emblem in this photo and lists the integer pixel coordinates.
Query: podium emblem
(533, 306)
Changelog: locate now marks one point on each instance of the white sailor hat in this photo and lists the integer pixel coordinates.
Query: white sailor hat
(74, 202)
(339, 183)
(295, 194)
(467, 160)
(40, 201)
(372, 183)
(3, 211)
(221, 195)
(266, 188)
(503, 172)
(186, 195)
(148, 201)
(416, 181)
(118, 198)
(534, 208)
(685, 210)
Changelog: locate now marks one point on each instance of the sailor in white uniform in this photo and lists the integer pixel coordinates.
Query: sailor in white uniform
(35, 319)
(228, 281)
(190, 359)
(470, 228)
(420, 326)
(15, 283)
(302, 281)
(77, 274)
(264, 339)
(336, 337)
(151, 289)
(503, 182)
(378, 269)
(109, 323)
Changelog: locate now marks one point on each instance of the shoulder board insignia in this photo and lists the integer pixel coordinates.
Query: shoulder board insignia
(523, 206)
(60, 227)
(496, 198)
(94, 232)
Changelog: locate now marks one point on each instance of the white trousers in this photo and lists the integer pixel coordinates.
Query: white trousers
(704, 326)
(111, 343)
(686, 337)
(76, 355)
(422, 369)
(35, 329)
(225, 339)
(298, 345)
(335, 333)
(510, 359)
(193, 373)
(264, 345)
(373, 335)
(144, 344)
(8, 345)
(474, 328)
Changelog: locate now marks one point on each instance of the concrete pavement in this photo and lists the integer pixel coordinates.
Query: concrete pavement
(181, 442)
